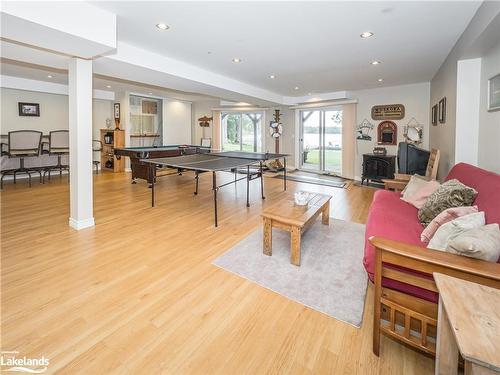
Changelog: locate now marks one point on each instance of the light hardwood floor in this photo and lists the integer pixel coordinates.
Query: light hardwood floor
(137, 293)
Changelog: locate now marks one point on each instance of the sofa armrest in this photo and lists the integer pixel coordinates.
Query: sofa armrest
(429, 260)
(413, 309)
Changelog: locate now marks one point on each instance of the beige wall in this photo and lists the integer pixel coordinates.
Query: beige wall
(53, 112)
(481, 30)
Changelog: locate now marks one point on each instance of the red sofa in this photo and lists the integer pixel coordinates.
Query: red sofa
(390, 217)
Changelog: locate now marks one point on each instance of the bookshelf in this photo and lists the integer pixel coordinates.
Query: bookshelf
(112, 139)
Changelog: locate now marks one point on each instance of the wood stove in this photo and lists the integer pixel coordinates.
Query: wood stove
(377, 167)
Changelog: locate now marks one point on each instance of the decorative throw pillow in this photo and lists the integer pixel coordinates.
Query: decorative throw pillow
(452, 229)
(421, 195)
(416, 183)
(443, 218)
(452, 193)
(480, 243)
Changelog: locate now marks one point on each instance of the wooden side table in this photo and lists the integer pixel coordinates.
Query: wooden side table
(469, 323)
(294, 219)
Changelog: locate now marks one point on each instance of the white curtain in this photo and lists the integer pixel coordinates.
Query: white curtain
(348, 140)
(216, 131)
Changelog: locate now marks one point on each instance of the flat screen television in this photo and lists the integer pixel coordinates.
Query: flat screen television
(411, 159)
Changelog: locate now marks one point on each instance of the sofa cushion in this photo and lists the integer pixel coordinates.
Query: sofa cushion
(454, 228)
(487, 185)
(420, 197)
(452, 193)
(391, 218)
(480, 243)
(445, 217)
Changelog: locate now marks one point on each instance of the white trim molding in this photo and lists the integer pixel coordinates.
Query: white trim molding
(330, 103)
(81, 224)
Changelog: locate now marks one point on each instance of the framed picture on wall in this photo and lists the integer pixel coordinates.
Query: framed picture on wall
(442, 111)
(494, 93)
(434, 115)
(29, 109)
(117, 111)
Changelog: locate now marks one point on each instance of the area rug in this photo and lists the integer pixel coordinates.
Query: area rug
(331, 278)
(338, 182)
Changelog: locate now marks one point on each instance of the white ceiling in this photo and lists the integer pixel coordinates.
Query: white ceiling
(312, 45)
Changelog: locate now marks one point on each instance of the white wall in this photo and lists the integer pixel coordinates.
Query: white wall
(489, 122)
(414, 97)
(176, 122)
(199, 109)
(53, 112)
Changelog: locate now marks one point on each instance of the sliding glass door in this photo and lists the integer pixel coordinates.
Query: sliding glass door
(321, 140)
(241, 131)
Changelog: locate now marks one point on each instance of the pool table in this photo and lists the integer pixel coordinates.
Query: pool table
(141, 169)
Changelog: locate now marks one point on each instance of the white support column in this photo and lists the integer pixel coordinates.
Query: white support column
(80, 143)
(467, 111)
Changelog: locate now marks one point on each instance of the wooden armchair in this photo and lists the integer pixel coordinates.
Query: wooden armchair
(410, 319)
(401, 180)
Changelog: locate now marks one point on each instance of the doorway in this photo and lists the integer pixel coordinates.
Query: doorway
(321, 140)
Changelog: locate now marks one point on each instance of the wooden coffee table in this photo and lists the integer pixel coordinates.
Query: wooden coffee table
(286, 215)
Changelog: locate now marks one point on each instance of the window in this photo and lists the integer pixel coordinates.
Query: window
(241, 131)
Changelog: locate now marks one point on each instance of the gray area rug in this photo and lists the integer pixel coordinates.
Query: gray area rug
(331, 278)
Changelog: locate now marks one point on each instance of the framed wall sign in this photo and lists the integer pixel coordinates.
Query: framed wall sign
(434, 115)
(117, 111)
(494, 93)
(388, 112)
(387, 133)
(442, 111)
(29, 109)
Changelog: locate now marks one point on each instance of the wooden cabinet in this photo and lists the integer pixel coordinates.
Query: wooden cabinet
(112, 139)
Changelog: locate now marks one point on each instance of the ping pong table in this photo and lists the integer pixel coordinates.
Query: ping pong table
(233, 161)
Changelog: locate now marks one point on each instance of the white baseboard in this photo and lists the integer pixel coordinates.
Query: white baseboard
(81, 224)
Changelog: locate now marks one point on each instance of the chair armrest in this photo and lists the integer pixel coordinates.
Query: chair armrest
(397, 185)
(429, 261)
(402, 177)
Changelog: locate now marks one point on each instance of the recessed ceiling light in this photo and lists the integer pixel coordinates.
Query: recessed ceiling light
(272, 76)
(296, 88)
(162, 26)
(236, 60)
(49, 76)
(376, 62)
(380, 80)
(366, 34)
(150, 93)
(108, 86)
